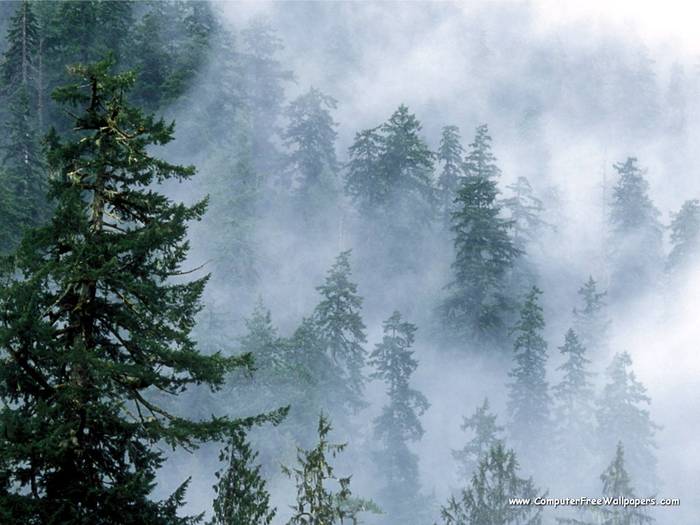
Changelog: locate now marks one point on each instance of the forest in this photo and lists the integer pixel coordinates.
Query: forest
(341, 263)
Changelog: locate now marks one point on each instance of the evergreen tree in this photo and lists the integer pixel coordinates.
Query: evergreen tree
(591, 322)
(616, 484)
(574, 413)
(449, 155)
(264, 79)
(399, 422)
(316, 503)
(685, 237)
(486, 434)
(525, 211)
(485, 500)
(484, 251)
(637, 234)
(22, 179)
(364, 181)
(311, 136)
(93, 323)
(529, 401)
(241, 495)
(621, 417)
(339, 320)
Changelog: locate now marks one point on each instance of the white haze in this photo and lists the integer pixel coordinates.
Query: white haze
(372, 56)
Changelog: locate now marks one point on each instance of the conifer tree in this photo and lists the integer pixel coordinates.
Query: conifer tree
(364, 181)
(449, 155)
(574, 413)
(525, 210)
(311, 136)
(685, 237)
(399, 423)
(621, 417)
(591, 322)
(241, 494)
(485, 500)
(484, 250)
(486, 434)
(616, 484)
(338, 317)
(317, 503)
(529, 402)
(93, 322)
(637, 258)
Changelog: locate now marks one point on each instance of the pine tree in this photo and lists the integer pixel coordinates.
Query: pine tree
(591, 322)
(637, 258)
(23, 179)
(316, 503)
(574, 413)
(484, 251)
(338, 317)
(449, 155)
(616, 484)
(621, 417)
(399, 422)
(311, 136)
(685, 237)
(364, 181)
(529, 402)
(241, 495)
(93, 322)
(485, 500)
(525, 210)
(486, 434)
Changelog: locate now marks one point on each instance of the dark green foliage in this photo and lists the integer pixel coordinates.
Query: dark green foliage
(685, 237)
(621, 417)
(591, 322)
(484, 251)
(449, 155)
(637, 258)
(391, 166)
(529, 402)
(486, 434)
(96, 319)
(485, 500)
(311, 135)
(574, 414)
(399, 422)
(339, 320)
(316, 503)
(241, 494)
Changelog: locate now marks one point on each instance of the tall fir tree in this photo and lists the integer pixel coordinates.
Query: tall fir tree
(450, 156)
(310, 135)
(685, 237)
(92, 322)
(637, 259)
(484, 251)
(486, 434)
(364, 182)
(399, 423)
(616, 484)
(317, 503)
(591, 322)
(622, 417)
(339, 320)
(574, 413)
(241, 493)
(485, 500)
(529, 401)
(23, 180)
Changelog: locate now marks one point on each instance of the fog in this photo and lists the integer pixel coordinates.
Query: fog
(566, 93)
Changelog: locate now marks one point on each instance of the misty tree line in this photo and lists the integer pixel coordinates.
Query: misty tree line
(106, 344)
